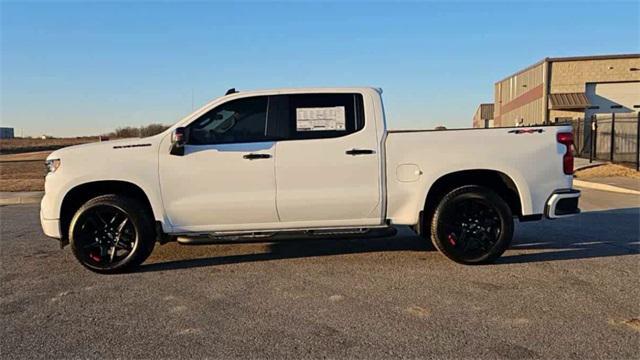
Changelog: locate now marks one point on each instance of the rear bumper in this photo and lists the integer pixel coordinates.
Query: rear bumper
(562, 203)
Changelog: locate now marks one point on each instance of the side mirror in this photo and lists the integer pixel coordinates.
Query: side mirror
(178, 140)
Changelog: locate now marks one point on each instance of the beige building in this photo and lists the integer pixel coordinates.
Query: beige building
(483, 118)
(559, 89)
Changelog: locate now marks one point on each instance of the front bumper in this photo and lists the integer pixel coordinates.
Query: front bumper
(562, 203)
(50, 227)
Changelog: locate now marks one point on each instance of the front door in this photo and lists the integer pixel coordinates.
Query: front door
(225, 179)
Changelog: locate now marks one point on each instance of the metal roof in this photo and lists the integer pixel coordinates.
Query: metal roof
(568, 101)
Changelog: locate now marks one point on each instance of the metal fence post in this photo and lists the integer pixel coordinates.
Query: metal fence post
(580, 146)
(594, 132)
(613, 136)
(638, 143)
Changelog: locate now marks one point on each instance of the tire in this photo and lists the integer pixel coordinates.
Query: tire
(111, 234)
(472, 225)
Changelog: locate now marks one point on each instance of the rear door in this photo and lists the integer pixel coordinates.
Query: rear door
(328, 161)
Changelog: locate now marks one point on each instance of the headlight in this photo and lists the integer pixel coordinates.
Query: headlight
(51, 165)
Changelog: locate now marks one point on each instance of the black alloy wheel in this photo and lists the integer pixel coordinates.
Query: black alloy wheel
(105, 235)
(110, 234)
(472, 225)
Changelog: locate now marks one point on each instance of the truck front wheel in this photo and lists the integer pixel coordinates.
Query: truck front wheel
(472, 225)
(111, 233)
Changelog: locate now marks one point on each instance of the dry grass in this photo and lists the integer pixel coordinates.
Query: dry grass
(607, 170)
(30, 156)
(22, 172)
(21, 176)
(14, 146)
(634, 323)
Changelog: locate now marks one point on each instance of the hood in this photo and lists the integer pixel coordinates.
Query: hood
(106, 145)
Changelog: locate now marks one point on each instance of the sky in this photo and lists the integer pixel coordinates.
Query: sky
(85, 68)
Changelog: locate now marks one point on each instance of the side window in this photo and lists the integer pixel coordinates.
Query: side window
(315, 116)
(236, 121)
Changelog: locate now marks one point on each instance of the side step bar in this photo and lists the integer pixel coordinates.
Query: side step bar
(270, 236)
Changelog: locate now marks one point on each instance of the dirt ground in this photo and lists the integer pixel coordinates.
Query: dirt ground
(29, 156)
(607, 170)
(22, 175)
(22, 172)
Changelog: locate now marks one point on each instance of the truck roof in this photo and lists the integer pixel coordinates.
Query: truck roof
(233, 91)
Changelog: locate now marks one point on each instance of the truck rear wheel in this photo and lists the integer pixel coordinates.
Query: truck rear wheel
(472, 225)
(111, 234)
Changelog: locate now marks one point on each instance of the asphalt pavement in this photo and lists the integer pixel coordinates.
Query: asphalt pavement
(566, 289)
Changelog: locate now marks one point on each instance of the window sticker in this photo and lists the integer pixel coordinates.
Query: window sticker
(320, 119)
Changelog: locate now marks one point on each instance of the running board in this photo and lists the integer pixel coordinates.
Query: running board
(269, 236)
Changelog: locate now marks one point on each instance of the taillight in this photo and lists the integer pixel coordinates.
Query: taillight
(566, 139)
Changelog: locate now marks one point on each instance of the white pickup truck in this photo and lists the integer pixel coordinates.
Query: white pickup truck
(294, 163)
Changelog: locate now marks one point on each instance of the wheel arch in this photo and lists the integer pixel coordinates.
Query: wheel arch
(495, 180)
(80, 194)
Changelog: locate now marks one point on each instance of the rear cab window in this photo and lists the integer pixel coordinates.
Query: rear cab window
(316, 116)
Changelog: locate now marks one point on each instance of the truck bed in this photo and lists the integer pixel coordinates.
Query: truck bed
(529, 155)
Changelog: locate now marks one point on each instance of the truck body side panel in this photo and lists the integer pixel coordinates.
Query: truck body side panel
(416, 160)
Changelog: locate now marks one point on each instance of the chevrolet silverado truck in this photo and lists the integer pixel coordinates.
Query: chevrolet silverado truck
(298, 163)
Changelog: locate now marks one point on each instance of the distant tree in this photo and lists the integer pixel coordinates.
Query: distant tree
(125, 132)
(152, 129)
(142, 131)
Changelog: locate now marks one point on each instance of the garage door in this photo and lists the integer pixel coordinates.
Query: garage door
(613, 97)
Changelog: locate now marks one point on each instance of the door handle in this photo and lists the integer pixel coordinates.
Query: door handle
(253, 156)
(355, 152)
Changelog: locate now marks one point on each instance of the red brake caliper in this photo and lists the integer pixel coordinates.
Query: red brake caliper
(95, 257)
(452, 239)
